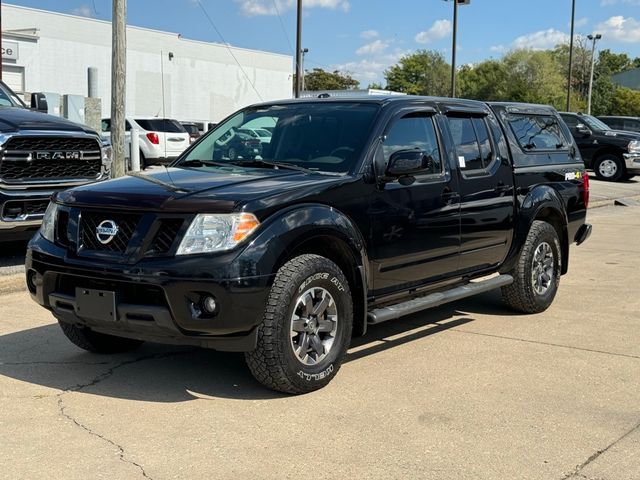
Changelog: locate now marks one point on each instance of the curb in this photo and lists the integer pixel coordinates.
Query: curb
(611, 201)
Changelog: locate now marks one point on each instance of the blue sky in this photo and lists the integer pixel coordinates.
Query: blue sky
(366, 36)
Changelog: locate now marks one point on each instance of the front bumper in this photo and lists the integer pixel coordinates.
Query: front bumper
(21, 213)
(632, 162)
(155, 300)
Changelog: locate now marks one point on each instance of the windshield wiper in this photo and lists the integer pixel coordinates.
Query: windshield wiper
(256, 162)
(203, 163)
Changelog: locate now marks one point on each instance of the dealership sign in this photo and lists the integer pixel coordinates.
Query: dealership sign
(10, 50)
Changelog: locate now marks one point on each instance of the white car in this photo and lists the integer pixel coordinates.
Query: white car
(161, 139)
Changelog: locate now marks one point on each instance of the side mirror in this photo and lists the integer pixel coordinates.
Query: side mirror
(583, 130)
(408, 162)
(39, 102)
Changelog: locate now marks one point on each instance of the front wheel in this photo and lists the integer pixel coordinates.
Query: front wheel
(536, 276)
(609, 167)
(306, 327)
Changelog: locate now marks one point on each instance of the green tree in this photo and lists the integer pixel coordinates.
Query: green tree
(424, 72)
(487, 80)
(626, 102)
(319, 79)
(535, 77)
(376, 86)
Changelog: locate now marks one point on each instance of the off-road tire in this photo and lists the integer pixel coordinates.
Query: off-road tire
(621, 169)
(274, 362)
(97, 342)
(521, 295)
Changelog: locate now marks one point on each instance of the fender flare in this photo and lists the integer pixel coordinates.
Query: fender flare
(541, 203)
(282, 234)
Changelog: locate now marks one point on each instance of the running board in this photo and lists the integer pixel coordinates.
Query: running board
(432, 300)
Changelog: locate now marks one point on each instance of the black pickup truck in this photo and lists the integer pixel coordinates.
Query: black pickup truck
(357, 212)
(41, 154)
(613, 155)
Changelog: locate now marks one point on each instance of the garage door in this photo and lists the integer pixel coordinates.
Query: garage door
(14, 77)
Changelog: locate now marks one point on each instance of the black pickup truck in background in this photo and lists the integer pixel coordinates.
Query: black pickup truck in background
(358, 211)
(613, 155)
(41, 154)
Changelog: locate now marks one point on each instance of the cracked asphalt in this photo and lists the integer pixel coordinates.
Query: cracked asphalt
(467, 391)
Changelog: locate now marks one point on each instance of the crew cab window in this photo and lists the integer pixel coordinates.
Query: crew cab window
(570, 120)
(471, 139)
(414, 132)
(632, 125)
(537, 132)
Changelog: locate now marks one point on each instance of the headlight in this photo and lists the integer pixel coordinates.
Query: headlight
(215, 233)
(634, 146)
(48, 227)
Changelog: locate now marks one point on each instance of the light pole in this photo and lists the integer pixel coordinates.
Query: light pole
(454, 41)
(573, 22)
(298, 50)
(304, 52)
(594, 38)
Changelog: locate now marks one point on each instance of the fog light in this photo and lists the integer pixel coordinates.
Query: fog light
(209, 305)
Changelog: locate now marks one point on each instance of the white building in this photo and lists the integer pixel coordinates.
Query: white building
(167, 75)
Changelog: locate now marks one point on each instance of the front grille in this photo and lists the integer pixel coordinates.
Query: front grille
(165, 237)
(89, 221)
(14, 209)
(20, 162)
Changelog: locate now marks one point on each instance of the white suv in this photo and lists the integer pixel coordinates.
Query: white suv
(161, 139)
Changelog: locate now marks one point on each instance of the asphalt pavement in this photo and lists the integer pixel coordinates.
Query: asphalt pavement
(467, 391)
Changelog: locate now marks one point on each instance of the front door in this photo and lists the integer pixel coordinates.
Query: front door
(486, 189)
(415, 227)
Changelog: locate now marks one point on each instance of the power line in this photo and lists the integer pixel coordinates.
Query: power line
(284, 30)
(206, 14)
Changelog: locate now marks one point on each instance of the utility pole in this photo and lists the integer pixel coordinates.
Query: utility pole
(453, 49)
(594, 38)
(573, 21)
(299, 51)
(118, 85)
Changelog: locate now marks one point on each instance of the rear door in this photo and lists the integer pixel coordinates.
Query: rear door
(415, 224)
(487, 198)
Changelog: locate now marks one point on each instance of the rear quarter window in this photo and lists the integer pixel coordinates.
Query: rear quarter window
(161, 125)
(537, 132)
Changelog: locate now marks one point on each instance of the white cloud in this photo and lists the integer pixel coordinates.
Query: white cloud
(371, 69)
(498, 48)
(437, 31)
(272, 7)
(606, 3)
(581, 22)
(83, 11)
(541, 40)
(373, 48)
(369, 34)
(621, 29)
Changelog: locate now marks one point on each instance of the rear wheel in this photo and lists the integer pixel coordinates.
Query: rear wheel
(536, 276)
(306, 328)
(609, 167)
(95, 342)
(232, 154)
(143, 161)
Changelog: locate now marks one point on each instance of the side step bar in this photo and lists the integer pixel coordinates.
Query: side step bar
(393, 312)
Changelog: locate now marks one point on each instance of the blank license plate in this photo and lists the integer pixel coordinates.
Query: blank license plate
(96, 304)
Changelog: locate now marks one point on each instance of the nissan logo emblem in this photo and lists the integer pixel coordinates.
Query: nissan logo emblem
(106, 231)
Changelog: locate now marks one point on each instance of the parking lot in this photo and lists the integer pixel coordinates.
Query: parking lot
(465, 391)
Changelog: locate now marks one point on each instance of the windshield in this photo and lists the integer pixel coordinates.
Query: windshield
(594, 124)
(321, 137)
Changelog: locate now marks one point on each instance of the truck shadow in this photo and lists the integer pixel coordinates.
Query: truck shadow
(44, 358)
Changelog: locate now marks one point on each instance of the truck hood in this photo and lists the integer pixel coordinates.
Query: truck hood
(13, 119)
(620, 134)
(186, 190)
